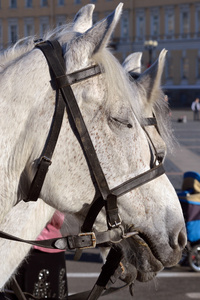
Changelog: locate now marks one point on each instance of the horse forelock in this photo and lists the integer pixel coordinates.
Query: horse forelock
(160, 108)
(162, 113)
(118, 83)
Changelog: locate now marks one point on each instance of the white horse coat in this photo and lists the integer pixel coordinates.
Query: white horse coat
(108, 102)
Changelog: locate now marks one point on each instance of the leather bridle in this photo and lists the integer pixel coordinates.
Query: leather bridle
(107, 197)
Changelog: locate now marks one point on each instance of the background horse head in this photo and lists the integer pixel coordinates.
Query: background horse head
(153, 105)
(114, 110)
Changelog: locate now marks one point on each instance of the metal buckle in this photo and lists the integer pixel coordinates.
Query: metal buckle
(116, 224)
(93, 239)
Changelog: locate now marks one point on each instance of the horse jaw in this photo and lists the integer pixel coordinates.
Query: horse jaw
(83, 19)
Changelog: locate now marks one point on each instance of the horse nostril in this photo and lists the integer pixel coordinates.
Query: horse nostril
(182, 238)
(178, 241)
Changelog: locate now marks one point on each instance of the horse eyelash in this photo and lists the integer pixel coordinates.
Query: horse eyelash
(122, 122)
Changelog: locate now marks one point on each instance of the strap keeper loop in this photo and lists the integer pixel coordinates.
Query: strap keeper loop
(113, 217)
(46, 159)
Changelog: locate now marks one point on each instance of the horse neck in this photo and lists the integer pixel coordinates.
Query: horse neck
(22, 88)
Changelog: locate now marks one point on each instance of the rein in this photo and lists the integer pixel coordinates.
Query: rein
(108, 197)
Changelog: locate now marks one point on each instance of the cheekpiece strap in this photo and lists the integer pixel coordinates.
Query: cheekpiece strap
(150, 121)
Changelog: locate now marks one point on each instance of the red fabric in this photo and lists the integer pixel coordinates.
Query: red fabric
(52, 230)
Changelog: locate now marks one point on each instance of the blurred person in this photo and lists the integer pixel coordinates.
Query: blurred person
(196, 108)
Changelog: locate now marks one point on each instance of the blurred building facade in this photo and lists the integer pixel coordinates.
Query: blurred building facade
(173, 24)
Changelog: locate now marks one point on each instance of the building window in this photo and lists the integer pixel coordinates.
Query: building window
(185, 67)
(155, 23)
(140, 25)
(197, 20)
(185, 21)
(44, 3)
(169, 67)
(198, 66)
(28, 27)
(169, 22)
(13, 3)
(125, 26)
(77, 1)
(12, 31)
(60, 20)
(1, 39)
(29, 3)
(61, 2)
(44, 26)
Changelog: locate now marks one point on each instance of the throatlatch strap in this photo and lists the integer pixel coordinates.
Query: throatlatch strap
(45, 158)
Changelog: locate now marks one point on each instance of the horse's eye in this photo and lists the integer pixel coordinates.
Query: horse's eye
(122, 122)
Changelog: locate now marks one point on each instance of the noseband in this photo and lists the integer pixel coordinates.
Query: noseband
(107, 198)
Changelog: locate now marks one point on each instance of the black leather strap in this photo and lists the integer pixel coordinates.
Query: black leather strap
(45, 158)
(80, 241)
(47, 153)
(138, 180)
(69, 79)
(108, 271)
(92, 214)
(150, 121)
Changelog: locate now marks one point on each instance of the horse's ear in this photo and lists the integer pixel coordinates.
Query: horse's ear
(98, 36)
(151, 78)
(83, 19)
(133, 62)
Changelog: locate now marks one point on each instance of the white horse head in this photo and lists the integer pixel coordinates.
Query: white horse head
(114, 110)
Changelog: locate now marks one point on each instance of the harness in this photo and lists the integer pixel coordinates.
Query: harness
(106, 197)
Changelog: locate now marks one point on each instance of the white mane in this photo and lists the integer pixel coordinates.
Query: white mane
(126, 91)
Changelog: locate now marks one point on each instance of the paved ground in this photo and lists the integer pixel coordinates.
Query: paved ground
(186, 155)
(178, 283)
